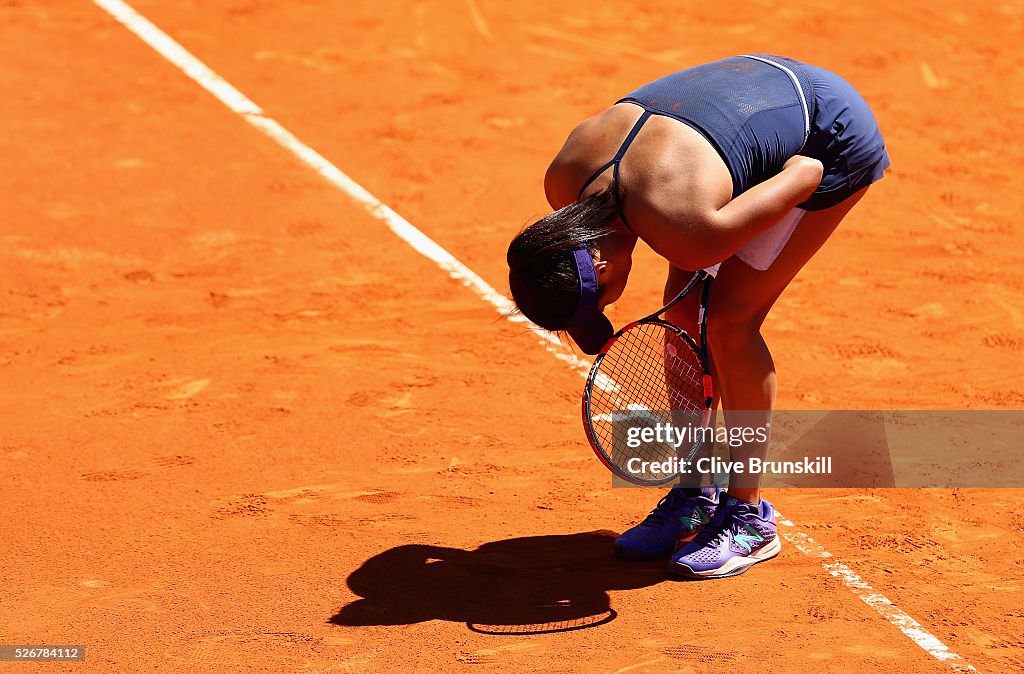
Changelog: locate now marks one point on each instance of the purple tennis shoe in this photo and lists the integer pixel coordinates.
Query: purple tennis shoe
(737, 537)
(676, 516)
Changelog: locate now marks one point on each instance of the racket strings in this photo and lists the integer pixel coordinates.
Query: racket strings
(658, 368)
(650, 375)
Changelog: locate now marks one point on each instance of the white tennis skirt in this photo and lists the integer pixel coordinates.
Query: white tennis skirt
(761, 251)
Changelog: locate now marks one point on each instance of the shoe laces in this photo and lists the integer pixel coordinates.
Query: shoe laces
(719, 525)
(668, 507)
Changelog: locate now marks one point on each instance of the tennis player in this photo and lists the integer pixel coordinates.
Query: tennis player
(749, 163)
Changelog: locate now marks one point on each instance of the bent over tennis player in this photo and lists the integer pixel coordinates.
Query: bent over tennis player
(750, 163)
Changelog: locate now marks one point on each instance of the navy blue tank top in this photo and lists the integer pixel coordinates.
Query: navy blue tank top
(756, 111)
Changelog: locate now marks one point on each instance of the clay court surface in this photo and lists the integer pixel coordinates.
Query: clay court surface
(247, 427)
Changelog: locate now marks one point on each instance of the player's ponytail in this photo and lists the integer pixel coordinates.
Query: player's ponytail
(542, 275)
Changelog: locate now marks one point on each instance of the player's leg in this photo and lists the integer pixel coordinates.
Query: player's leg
(745, 374)
(683, 313)
(741, 299)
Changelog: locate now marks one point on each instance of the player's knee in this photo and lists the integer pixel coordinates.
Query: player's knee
(684, 312)
(684, 318)
(731, 327)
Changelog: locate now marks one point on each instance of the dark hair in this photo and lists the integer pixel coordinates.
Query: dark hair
(541, 270)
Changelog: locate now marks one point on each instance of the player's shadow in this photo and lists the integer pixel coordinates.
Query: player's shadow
(529, 585)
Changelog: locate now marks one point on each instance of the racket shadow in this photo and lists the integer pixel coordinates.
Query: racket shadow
(530, 585)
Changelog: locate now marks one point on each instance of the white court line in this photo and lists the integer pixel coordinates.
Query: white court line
(252, 113)
(875, 600)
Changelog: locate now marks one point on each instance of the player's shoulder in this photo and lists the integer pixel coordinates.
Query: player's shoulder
(590, 146)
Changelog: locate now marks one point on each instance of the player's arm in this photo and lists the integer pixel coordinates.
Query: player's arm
(693, 234)
(560, 188)
(556, 185)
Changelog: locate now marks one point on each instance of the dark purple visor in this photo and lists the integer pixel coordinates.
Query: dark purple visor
(588, 327)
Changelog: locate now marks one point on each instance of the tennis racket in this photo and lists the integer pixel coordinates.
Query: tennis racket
(651, 374)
